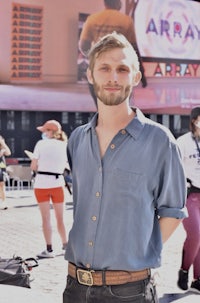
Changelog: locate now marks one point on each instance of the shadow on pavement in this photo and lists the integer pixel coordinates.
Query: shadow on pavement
(25, 206)
(69, 205)
(186, 297)
(9, 294)
(51, 206)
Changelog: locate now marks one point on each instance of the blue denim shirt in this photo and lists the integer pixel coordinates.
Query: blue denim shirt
(119, 198)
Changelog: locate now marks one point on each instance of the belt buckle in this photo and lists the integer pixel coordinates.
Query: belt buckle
(84, 277)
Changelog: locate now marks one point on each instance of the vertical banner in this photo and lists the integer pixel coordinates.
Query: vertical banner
(82, 61)
(26, 44)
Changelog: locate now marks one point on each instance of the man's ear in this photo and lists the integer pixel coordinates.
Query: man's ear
(136, 78)
(89, 76)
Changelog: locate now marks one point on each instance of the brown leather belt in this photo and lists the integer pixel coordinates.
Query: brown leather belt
(107, 277)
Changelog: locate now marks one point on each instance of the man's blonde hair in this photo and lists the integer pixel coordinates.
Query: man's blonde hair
(109, 42)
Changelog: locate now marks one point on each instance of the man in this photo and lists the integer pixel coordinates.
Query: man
(105, 22)
(128, 187)
(189, 145)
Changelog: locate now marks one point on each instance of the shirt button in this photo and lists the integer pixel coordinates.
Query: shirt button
(94, 218)
(123, 132)
(97, 194)
(112, 146)
(90, 243)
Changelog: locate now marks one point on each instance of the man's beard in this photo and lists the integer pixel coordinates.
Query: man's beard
(112, 98)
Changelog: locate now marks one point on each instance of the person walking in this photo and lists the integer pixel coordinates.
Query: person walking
(49, 161)
(133, 197)
(4, 151)
(189, 144)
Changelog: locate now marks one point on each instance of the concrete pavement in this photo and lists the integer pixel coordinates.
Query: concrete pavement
(21, 235)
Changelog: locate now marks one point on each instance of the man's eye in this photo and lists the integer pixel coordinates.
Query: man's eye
(104, 68)
(123, 70)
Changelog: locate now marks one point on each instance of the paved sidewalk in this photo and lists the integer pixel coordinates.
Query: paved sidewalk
(21, 235)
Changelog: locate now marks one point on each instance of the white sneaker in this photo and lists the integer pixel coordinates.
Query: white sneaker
(46, 254)
(3, 205)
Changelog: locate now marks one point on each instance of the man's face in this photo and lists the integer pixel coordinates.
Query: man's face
(113, 76)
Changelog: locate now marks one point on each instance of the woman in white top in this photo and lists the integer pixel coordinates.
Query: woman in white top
(49, 161)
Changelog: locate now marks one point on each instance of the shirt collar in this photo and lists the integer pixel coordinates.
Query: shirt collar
(134, 128)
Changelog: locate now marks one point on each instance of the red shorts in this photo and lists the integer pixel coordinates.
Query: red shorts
(56, 194)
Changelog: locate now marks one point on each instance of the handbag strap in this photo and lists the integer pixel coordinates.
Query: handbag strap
(30, 263)
(197, 145)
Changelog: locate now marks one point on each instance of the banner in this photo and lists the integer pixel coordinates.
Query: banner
(168, 29)
(168, 34)
(26, 59)
(168, 37)
(82, 61)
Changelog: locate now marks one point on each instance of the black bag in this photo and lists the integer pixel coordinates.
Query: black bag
(191, 188)
(15, 271)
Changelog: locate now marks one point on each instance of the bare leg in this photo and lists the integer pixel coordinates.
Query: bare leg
(59, 211)
(3, 195)
(46, 221)
(2, 191)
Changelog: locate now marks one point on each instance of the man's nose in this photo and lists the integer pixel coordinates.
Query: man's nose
(113, 76)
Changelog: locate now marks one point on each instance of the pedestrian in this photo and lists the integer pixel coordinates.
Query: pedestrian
(104, 22)
(49, 162)
(128, 187)
(4, 151)
(189, 144)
